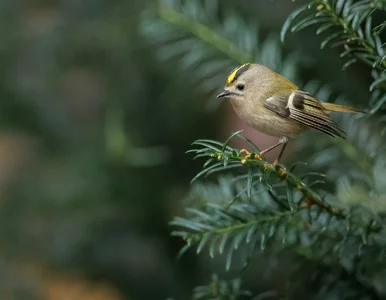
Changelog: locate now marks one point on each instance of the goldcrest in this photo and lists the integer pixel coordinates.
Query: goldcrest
(275, 106)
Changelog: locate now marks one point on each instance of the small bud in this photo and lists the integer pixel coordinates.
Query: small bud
(282, 172)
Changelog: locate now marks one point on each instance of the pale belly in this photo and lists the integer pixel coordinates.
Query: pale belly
(271, 124)
(278, 127)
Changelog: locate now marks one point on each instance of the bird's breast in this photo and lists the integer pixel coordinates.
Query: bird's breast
(268, 122)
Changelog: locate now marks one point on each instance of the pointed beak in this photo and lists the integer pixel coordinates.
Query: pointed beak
(223, 94)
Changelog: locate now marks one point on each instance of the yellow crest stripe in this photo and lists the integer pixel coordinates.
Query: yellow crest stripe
(232, 76)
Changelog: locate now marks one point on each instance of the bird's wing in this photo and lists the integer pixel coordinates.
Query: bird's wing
(303, 108)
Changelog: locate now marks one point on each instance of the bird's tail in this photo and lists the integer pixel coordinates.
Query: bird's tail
(341, 108)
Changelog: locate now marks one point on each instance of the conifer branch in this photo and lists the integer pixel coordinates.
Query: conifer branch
(244, 219)
(349, 25)
(203, 33)
(279, 171)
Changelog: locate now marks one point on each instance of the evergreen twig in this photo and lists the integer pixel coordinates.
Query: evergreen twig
(204, 33)
(349, 25)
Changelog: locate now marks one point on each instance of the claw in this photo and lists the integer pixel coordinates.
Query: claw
(248, 155)
(246, 152)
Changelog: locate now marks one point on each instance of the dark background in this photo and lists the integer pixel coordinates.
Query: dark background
(93, 133)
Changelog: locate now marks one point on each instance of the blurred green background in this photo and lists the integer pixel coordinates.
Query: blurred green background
(93, 133)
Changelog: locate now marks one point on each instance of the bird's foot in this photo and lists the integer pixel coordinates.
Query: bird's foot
(248, 156)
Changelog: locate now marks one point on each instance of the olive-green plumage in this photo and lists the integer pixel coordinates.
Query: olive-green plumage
(275, 106)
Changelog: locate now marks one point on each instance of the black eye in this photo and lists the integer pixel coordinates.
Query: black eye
(240, 87)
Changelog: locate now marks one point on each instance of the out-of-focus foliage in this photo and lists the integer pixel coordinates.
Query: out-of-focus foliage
(220, 289)
(99, 102)
(91, 129)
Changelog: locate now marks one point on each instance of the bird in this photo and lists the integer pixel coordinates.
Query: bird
(273, 105)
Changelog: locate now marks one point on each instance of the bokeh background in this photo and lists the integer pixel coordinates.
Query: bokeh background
(93, 132)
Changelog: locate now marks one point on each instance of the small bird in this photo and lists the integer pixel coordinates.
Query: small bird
(275, 106)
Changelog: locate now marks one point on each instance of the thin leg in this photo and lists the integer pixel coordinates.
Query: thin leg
(271, 148)
(248, 154)
(280, 154)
